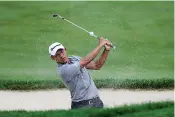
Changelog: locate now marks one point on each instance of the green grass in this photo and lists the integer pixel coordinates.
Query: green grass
(156, 109)
(144, 84)
(142, 32)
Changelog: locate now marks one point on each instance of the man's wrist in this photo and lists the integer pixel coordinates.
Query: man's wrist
(107, 49)
(100, 46)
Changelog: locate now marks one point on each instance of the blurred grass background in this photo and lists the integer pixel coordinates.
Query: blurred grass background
(141, 31)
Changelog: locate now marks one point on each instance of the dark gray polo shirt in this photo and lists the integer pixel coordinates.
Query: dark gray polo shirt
(77, 80)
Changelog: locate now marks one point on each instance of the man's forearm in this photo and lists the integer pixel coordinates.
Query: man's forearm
(100, 62)
(87, 59)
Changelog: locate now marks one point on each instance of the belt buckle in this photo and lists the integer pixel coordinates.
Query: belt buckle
(90, 102)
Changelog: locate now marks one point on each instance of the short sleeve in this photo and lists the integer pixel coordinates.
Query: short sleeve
(70, 70)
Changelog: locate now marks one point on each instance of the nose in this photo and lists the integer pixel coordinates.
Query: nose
(62, 55)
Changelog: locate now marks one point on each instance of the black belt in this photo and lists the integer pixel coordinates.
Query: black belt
(89, 101)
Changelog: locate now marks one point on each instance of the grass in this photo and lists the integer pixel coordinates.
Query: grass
(144, 84)
(156, 109)
(141, 31)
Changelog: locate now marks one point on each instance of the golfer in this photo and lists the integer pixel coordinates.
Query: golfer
(75, 76)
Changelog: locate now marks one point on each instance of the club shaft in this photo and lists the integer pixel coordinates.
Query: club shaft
(75, 24)
(81, 28)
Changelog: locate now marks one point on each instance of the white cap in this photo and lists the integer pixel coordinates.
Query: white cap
(54, 47)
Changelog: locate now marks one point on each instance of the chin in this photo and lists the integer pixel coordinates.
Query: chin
(64, 61)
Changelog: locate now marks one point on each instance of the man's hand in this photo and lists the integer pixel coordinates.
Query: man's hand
(102, 41)
(108, 45)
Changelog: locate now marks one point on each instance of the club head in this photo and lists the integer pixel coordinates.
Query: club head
(55, 15)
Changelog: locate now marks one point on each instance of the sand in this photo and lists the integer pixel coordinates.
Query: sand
(60, 99)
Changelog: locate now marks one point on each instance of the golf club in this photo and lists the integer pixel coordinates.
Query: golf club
(91, 33)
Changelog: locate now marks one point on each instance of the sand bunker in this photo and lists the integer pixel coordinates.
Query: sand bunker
(60, 99)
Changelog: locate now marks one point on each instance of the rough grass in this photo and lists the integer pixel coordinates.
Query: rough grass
(156, 109)
(144, 84)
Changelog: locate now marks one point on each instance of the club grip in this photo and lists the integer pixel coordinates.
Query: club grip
(107, 44)
(112, 46)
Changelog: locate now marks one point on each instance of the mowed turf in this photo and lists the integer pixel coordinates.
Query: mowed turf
(158, 109)
(141, 31)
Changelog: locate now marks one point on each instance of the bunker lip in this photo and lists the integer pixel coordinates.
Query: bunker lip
(60, 99)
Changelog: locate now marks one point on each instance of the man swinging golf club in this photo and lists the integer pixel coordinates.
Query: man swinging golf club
(74, 74)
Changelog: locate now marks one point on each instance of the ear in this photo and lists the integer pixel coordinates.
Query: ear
(52, 57)
(65, 49)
